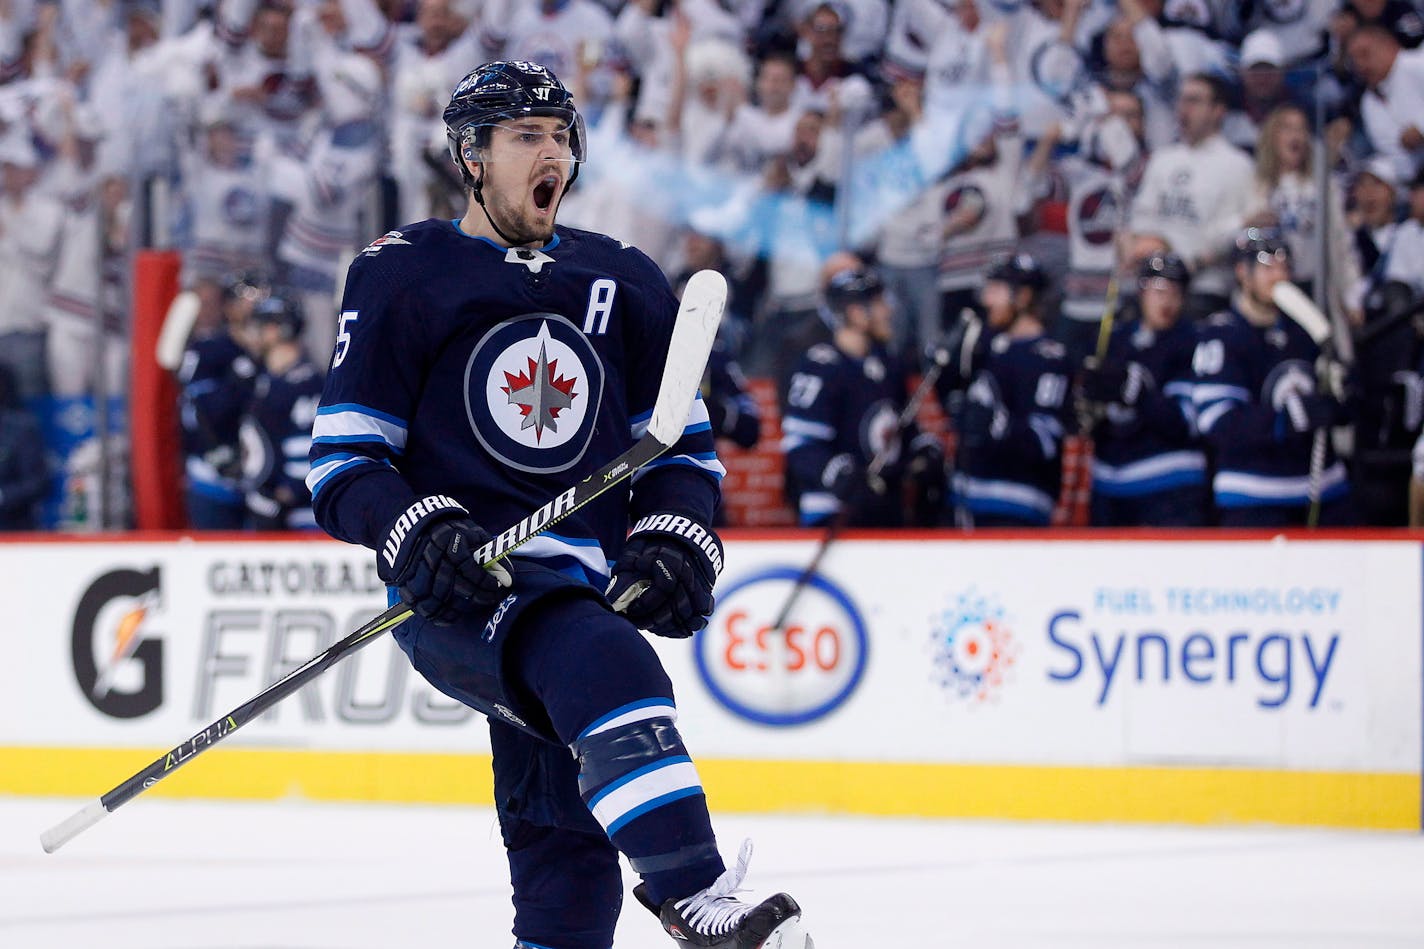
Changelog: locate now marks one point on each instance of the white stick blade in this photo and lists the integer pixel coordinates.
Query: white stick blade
(177, 325)
(66, 830)
(1299, 307)
(692, 335)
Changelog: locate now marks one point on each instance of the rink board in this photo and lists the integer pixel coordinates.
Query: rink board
(1196, 681)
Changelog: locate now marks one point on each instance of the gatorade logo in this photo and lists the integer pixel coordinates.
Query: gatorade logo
(117, 656)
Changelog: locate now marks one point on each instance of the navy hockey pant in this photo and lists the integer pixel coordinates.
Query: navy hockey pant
(1176, 507)
(618, 778)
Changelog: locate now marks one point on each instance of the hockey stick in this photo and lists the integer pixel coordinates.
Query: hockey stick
(177, 327)
(872, 474)
(1293, 302)
(692, 336)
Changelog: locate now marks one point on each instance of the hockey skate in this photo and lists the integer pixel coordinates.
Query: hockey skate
(715, 919)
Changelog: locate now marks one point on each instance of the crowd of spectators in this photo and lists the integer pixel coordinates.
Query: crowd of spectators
(928, 137)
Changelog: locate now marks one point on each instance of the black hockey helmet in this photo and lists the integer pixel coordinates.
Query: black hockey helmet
(248, 284)
(1017, 270)
(855, 285)
(282, 311)
(1261, 245)
(501, 91)
(1164, 266)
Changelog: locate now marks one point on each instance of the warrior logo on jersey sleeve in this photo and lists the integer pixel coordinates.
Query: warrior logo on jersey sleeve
(532, 391)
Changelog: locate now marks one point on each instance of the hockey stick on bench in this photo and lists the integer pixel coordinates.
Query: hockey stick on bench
(692, 336)
(872, 473)
(1293, 302)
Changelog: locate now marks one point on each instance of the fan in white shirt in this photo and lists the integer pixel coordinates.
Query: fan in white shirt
(1392, 108)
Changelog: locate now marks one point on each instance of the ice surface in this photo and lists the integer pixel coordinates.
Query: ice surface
(162, 874)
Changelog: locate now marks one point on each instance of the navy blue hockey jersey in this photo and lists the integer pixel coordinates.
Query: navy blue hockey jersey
(1011, 430)
(1242, 375)
(1152, 445)
(500, 377)
(215, 379)
(276, 441)
(733, 410)
(837, 404)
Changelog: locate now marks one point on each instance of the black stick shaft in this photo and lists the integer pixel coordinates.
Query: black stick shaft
(877, 463)
(619, 469)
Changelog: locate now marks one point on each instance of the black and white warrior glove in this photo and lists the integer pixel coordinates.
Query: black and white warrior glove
(429, 557)
(663, 580)
(1115, 382)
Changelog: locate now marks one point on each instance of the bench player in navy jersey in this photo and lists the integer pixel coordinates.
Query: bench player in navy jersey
(842, 412)
(277, 423)
(1014, 415)
(482, 365)
(1258, 404)
(216, 379)
(1149, 469)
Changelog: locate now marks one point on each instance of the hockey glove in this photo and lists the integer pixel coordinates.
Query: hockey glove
(663, 580)
(429, 558)
(843, 477)
(1121, 383)
(1303, 413)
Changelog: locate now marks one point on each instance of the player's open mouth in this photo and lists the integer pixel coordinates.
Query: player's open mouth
(544, 192)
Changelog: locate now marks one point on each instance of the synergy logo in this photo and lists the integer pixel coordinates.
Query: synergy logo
(782, 677)
(118, 661)
(973, 646)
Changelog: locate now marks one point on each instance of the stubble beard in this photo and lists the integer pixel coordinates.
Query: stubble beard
(523, 226)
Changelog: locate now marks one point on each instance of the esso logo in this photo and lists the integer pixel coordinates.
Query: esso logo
(782, 677)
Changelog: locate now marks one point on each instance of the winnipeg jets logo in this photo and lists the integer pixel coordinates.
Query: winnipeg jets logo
(385, 240)
(542, 393)
(532, 391)
(1097, 216)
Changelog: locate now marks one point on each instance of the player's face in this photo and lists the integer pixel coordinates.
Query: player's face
(882, 319)
(997, 298)
(1263, 273)
(529, 161)
(1161, 302)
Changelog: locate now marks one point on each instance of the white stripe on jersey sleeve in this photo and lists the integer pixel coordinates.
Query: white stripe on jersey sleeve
(351, 424)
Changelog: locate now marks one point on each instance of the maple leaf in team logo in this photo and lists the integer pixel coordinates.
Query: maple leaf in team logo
(541, 394)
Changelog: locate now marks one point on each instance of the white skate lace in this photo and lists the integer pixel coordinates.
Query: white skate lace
(716, 910)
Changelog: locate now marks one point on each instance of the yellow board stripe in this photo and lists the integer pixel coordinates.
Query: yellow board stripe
(1153, 795)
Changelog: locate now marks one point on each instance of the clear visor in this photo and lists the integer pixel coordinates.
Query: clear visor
(1161, 283)
(528, 138)
(1269, 257)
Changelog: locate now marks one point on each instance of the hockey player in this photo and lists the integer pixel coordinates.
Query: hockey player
(1148, 469)
(1257, 402)
(1013, 420)
(731, 408)
(276, 429)
(215, 382)
(1011, 285)
(481, 367)
(844, 450)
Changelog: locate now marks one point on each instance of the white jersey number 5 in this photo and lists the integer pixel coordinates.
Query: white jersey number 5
(343, 337)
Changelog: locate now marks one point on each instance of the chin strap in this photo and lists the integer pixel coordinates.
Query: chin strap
(478, 189)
